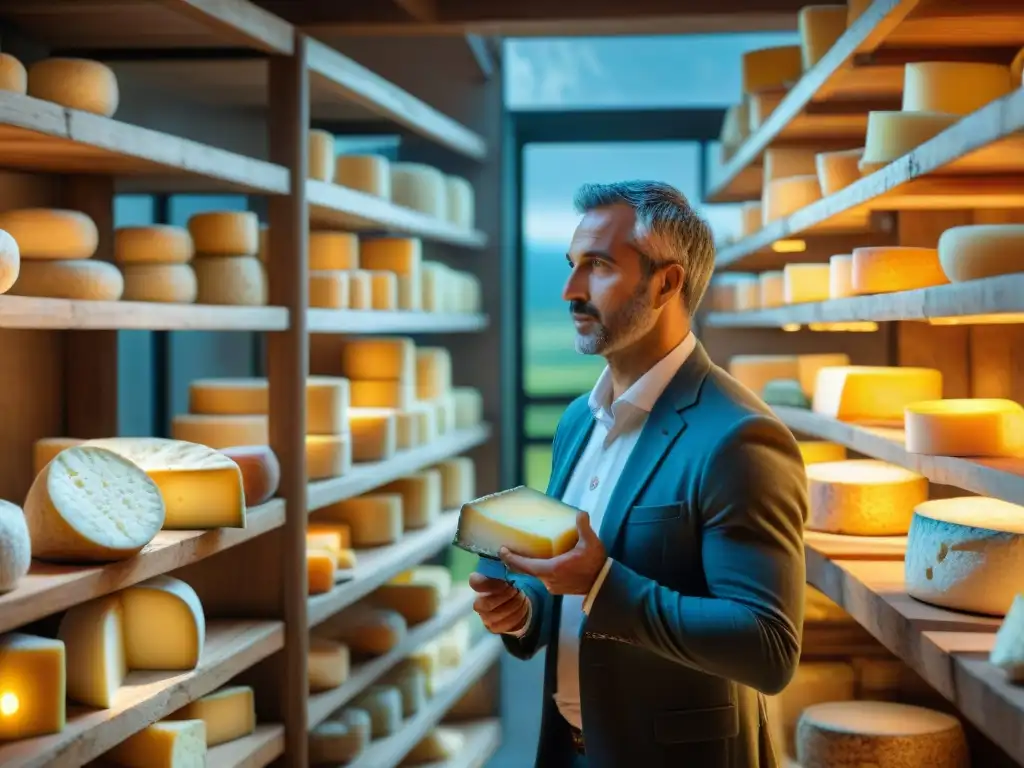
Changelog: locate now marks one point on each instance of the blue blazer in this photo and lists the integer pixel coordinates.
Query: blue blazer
(701, 612)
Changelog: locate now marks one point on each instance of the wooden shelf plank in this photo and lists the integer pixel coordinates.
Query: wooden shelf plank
(41, 136)
(366, 672)
(64, 314)
(367, 476)
(1001, 478)
(376, 565)
(331, 205)
(371, 321)
(389, 752)
(992, 295)
(480, 740)
(50, 588)
(843, 547)
(145, 697)
(256, 750)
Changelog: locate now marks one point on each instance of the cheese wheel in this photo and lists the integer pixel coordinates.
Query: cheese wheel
(83, 279)
(328, 664)
(321, 156)
(754, 371)
(367, 173)
(374, 433)
(458, 481)
(782, 197)
(850, 734)
(10, 261)
(13, 77)
(367, 631)
(383, 290)
(225, 233)
(840, 276)
(229, 713)
(886, 269)
(329, 289)
(786, 162)
(873, 394)
(468, 404)
(814, 682)
(92, 633)
(891, 135)
(863, 497)
(360, 289)
(724, 290)
(420, 187)
(335, 743)
(953, 87)
(261, 471)
(433, 372)
(979, 251)
(771, 291)
(165, 283)
(236, 280)
(374, 519)
(91, 505)
(327, 400)
(969, 427)
(435, 279)
(750, 218)
(45, 233)
(15, 546)
(819, 26)
(421, 497)
(45, 448)
(156, 244)
(328, 456)
(966, 554)
(75, 83)
(1008, 649)
(771, 68)
(819, 451)
(333, 250)
(803, 283)
(838, 170)
(461, 205)
(380, 358)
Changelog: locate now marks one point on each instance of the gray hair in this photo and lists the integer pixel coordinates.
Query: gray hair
(669, 228)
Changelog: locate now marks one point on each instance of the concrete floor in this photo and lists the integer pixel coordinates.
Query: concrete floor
(522, 684)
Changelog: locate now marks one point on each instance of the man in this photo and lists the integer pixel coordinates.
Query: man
(682, 603)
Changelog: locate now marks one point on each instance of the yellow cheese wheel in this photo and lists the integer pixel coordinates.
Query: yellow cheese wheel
(225, 233)
(329, 289)
(805, 282)
(13, 77)
(238, 280)
(333, 250)
(984, 250)
(10, 261)
(156, 244)
(164, 283)
(988, 427)
(82, 279)
(782, 197)
(886, 269)
(75, 83)
(771, 68)
(367, 173)
(891, 135)
(786, 162)
(321, 155)
(863, 497)
(45, 233)
(873, 394)
(360, 289)
(840, 276)
(820, 451)
(754, 371)
(771, 291)
(420, 187)
(953, 87)
(838, 170)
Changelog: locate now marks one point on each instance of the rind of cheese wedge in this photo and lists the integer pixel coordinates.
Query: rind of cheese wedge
(966, 554)
(873, 394)
(988, 427)
(32, 672)
(164, 625)
(93, 635)
(229, 713)
(526, 521)
(15, 546)
(1008, 649)
(91, 505)
(261, 471)
(863, 497)
(165, 744)
(201, 487)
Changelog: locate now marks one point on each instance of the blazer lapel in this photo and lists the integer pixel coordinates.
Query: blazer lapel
(564, 463)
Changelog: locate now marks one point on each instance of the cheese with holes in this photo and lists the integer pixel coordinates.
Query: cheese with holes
(367, 173)
(320, 567)
(374, 519)
(805, 282)
(164, 625)
(873, 394)
(787, 162)
(333, 250)
(329, 664)
(440, 745)
(782, 197)
(379, 359)
(91, 505)
(374, 433)
(458, 481)
(863, 497)
(10, 260)
(45, 448)
(886, 269)
(225, 233)
(401, 255)
(154, 244)
(329, 290)
(384, 703)
(383, 290)
(771, 289)
(461, 206)
(819, 451)
(81, 279)
(840, 276)
(417, 595)
(526, 521)
(46, 233)
(321, 155)
(164, 744)
(232, 280)
(891, 135)
(13, 76)
(261, 471)
(83, 84)
(32, 686)
(412, 685)
(814, 682)
(228, 713)
(327, 400)
(469, 407)
(421, 497)
(754, 371)
(838, 170)
(953, 87)
(420, 187)
(328, 456)
(1008, 649)
(92, 634)
(201, 487)
(433, 372)
(768, 69)
(879, 733)
(15, 546)
(819, 26)
(987, 427)
(750, 218)
(367, 631)
(360, 289)
(965, 554)
(986, 250)
(161, 283)
(335, 743)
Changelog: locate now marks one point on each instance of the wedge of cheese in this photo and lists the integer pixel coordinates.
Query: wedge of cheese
(526, 521)
(873, 394)
(32, 699)
(229, 713)
(92, 634)
(164, 625)
(166, 744)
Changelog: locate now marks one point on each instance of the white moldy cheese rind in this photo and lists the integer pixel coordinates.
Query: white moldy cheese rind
(984, 427)
(526, 521)
(863, 497)
(164, 625)
(966, 554)
(47, 233)
(225, 233)
(155, 244)
(75, 83)
(81, 280)
(93, 634)
(873, 394)
(15, 546)
(981, 250)
(91, 505)
(1008, 648)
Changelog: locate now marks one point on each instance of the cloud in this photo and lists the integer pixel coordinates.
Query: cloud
(550, 229)
(552, 72)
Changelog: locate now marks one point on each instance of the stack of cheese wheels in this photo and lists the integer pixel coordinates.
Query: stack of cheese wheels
(234, 412)
(863, 497)
(13, 77)
(321, 156)
(982, 427)
(75, 83)
(366, 173)
(982, 250)
(56, 249)
(226, 266)
(395, 267)
(335, 280)
(420, 187)
(887, 269)
(936, 94)
(156, 264)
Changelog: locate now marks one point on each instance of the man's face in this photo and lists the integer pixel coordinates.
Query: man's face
(608, 291)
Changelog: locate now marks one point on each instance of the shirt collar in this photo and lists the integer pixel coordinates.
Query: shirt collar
(646, 390)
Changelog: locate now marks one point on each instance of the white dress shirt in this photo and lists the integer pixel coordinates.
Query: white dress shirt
(616, 431)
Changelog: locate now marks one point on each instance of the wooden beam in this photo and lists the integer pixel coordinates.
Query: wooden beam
(420, 11)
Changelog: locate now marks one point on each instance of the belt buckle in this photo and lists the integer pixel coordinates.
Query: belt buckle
(577, 741)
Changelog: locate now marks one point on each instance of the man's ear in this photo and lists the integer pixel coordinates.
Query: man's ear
(671, 283)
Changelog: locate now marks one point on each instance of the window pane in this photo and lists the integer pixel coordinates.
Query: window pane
(537, 466)
(541, 420)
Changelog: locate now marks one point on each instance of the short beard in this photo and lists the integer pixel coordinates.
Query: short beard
(621, 329)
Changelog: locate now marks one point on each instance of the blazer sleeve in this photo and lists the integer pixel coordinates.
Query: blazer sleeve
(753, 501)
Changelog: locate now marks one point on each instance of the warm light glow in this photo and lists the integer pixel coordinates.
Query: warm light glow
(9, 704)
(860, 326)
(1005, 318)
(791, 327)
(789, 246)
(966, 405)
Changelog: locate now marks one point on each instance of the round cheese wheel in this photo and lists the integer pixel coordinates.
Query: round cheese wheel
(953, 87)
(13, 76)
(83, 279)
(45, 233)
(15, 546)
(461, 202)
(219, 432)
(863, 497)
(838, 170)
(966, 554)
(788, 195)
(882, 734)
(75, 83)
(767, 69)
(770, 289)
(754, 371)
(885, 269)
(164, 283)
(327, 456)
(820, 451)
(984, 250)
(420, 187)
(891, 135)
(840, 276)
(225, 233)
(367, 173)
(10, 261)
(722, 290)
(321, 155)
(329, 290)
(261, 471)
(156, 244)
(979, 427)
(333, 250)
(237, 280)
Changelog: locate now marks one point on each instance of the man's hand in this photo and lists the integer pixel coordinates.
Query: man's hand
(502, 607)
(572, 573)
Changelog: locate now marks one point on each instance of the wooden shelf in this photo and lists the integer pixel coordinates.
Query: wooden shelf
(64, 314)
(389, 752)
(376, 565)
(49, 588)
(145, 697)
(1001, 478)
(366, 672)
(367, 476)
(993, 295)
(256, 750)
(856, 547)
(481, 739)
(44, 137)
(372, 321)
(334, 206)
